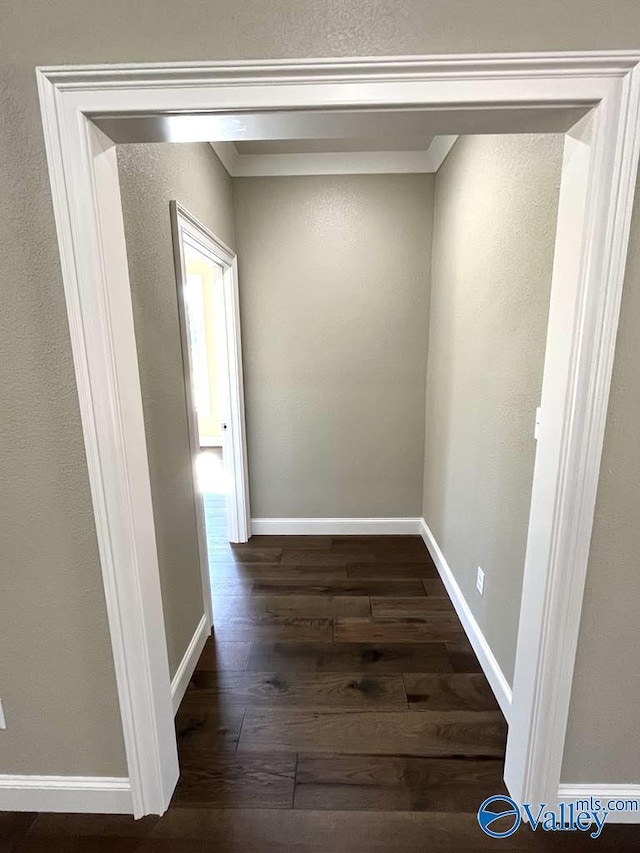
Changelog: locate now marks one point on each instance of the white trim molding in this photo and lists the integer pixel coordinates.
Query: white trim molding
(182, 102)
(597, 189)
(228, 155)
(334, 163)
(490, 666)
(623, 791)
(335, 526)
(439, 150)
(95, 794)
(181, 679)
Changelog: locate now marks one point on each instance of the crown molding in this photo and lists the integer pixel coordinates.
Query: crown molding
(334, 163)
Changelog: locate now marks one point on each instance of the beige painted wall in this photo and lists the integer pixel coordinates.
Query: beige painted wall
(604, 719)
(150, 177)
(56, 675)
(496, 205)
(334, 290)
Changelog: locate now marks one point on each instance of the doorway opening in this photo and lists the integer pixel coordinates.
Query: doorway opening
(209, 316)
(204, 303)
(86, 111)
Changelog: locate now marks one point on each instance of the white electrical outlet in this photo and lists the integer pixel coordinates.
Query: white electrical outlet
(3, 722)
(480, 581)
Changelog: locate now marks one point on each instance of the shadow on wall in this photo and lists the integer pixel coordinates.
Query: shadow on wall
(496, 203)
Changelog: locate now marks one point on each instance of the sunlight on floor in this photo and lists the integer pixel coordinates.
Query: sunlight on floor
(211, 473)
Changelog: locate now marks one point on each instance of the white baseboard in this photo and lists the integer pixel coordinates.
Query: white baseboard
(96, 794)
(568, 792)
(489, 664)
(335, 526)
(181, 679)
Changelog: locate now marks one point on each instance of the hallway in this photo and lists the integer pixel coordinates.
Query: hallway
(339, 678)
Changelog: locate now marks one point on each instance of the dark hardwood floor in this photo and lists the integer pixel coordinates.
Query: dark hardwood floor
(339, 707)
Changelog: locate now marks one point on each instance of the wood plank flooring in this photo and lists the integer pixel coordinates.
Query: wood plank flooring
(338, 707)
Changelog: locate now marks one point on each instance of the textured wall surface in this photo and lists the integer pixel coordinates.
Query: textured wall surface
(150, 177)
(334, 284)
(604, 716)
(496, 206)
(55, 670)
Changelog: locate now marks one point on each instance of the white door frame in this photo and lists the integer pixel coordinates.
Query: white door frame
(585, 303)
(184, 225)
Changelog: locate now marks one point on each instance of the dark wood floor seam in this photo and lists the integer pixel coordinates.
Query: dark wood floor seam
(240, 729)
(295, 781)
